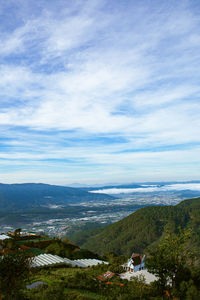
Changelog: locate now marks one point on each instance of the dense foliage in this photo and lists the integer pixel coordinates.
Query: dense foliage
(172, 261)
(145, 227)
(14, 270)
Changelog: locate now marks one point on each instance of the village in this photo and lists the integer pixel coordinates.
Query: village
(34, 244)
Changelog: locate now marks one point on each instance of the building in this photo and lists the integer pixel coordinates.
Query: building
(135, 263)
(23, 234)
(106, 276)
(43, 260)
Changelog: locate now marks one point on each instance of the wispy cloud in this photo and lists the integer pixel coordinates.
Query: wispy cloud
(98, 83)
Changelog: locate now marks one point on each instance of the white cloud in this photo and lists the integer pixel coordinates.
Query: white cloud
(124, 71)
(165, 188)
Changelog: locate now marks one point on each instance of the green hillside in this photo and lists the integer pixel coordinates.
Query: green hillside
(144, 228)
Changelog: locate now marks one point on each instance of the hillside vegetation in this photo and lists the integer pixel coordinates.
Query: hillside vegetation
(144, 228)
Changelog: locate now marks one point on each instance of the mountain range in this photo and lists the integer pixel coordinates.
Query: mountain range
(33, 195)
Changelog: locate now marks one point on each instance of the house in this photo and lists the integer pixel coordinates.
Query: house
(135, 263)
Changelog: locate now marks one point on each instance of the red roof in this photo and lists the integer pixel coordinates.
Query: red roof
(106, 276)
(137, 258)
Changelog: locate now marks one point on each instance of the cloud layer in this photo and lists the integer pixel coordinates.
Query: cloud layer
(99, 91)
(151, 188)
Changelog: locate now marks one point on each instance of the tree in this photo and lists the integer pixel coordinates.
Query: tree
(17, 233)
(140, 284)
(170, 260)
(14, 270)
(9, 244)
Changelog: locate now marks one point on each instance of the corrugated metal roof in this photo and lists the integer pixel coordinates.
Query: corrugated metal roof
(49, 259)
(46, 260)
(90, 262)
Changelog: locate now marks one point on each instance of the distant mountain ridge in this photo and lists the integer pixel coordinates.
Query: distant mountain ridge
(33, 195)
(144, 228)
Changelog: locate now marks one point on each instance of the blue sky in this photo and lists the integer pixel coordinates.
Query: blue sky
(99, 91)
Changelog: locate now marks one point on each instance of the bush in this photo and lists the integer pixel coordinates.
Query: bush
(14, 270)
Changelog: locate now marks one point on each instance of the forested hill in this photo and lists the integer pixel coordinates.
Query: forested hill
(32, 195)
(145, 227)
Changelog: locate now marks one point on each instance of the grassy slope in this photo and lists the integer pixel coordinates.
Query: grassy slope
(145, 226)
(55, 277)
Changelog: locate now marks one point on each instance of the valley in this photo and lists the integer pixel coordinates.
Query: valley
(51, 214)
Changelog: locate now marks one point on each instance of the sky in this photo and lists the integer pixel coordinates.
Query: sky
(99, 91)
